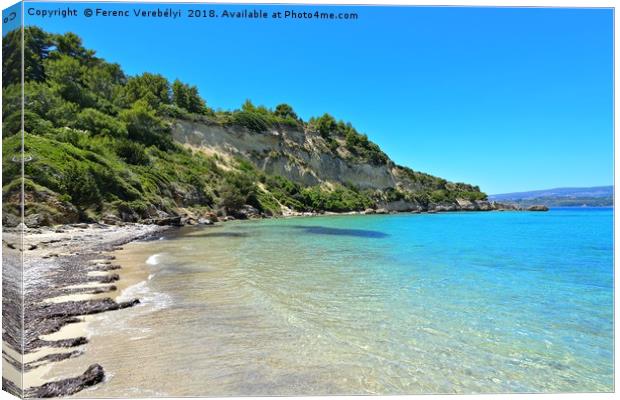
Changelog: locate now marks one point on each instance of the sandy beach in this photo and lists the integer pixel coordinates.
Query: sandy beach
(69, 274)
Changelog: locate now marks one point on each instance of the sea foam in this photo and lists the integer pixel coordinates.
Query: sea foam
(154, 259)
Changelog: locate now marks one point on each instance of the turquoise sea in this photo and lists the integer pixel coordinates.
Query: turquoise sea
(446, 303)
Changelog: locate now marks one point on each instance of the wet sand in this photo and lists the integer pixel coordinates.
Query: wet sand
(68, 275)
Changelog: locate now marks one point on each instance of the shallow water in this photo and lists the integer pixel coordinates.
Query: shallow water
(445, 303)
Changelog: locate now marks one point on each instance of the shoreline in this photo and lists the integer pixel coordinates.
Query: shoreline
(69, 274)
(67, 279)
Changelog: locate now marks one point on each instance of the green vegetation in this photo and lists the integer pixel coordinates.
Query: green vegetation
(237, 190)
(361, 149)
(317, 198)
(437, 190)
(99, 142)
(261, 119)
(338, 200)
(186, 97)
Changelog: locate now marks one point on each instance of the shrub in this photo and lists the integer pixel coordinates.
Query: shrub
(268, 203)
(325, 125)
(288, 193)
(339, 200)
(171, 110)
(392, 194)
(144, 126)
(152, 88)
(186, 97)
(64, 114)
(471, 195)
(99, 123)
(66, 77)
(131, 152)
(245, 166)
(236, 191)
(359, 145)
(284, 111)
(78, 183)
(40, 98)
(11, 100)
(35, 124)
(438, 196)
(137, 207)
(286, 115)
(252, 120)
(12, 124)
(73, 136)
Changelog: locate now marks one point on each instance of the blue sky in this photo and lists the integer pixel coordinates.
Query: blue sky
(510, 99)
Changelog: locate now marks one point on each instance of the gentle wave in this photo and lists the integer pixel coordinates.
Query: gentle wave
(154, 259)
(150, 299)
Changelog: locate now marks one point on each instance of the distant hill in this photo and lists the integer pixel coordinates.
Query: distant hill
(598, 196)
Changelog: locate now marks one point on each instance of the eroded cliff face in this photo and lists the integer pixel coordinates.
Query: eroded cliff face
(303, 157)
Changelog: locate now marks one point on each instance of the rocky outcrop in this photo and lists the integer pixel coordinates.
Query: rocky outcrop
(484, 205)
(442, 207)
(513, 207)
(538, 208)
(246, 212)
(481, 205)
(476, 205)
(66, 387)
(400, 206)
(505, 207)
